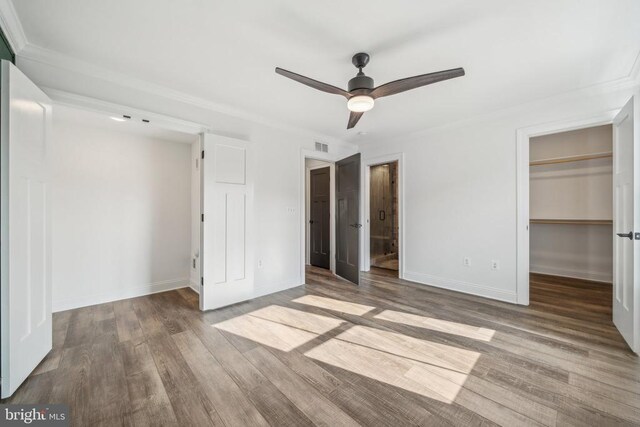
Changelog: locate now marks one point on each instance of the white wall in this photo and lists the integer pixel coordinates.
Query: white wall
(460, 192)
(575, 190)
(121, 212)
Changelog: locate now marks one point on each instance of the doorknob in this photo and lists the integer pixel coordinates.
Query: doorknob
(628, 235)
(356, 225)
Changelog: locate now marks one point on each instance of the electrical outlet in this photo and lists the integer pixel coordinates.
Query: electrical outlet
(466, 261)
(291, 211)
(495, 265)
(260, 265)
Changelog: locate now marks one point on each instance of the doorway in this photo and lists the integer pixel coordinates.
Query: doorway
(571, 222)
(383, 241)
(319, 214)
(623, 219)
(383, 216)
(319, 223)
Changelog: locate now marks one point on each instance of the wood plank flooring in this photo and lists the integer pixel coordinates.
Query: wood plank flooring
(387, 353)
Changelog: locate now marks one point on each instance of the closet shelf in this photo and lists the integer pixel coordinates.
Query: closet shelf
(568, 159)
(572, 221)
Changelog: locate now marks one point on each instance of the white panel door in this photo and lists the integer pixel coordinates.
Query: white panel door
(25, 285)
(227, 192)
(626, 222)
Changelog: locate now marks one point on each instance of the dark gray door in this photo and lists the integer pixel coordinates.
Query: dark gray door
(319, 235)
(348, 218)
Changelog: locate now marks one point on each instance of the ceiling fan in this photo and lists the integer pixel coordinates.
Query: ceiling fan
(362, 93)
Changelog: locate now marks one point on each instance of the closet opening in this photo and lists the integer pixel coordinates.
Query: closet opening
(571, 222)
(384, 217)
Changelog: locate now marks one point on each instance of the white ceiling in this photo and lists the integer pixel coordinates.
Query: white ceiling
(225, 51)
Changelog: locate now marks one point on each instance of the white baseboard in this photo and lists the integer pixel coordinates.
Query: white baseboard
(574, 274)
(460, 286)
(195, 287)
(151, 288)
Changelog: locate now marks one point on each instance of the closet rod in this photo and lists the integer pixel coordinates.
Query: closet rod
(568, 159)
(572, 221)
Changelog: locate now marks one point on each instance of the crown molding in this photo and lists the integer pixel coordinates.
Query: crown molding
(11, 26)
(54, 59)
(629, 82)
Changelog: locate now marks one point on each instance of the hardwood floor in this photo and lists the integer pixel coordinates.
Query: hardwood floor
(329, 353)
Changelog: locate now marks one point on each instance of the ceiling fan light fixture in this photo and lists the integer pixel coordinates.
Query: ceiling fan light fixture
(360, 103)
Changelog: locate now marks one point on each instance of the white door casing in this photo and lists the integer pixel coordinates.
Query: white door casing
(227, 191)
(626, 218)
(25, 288)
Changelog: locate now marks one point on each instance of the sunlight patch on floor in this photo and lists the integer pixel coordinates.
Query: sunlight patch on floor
(431, 369)
(474, 332)
(427, 380)
(334, 304)
(310, 322)
(279, 327)
(439, 355)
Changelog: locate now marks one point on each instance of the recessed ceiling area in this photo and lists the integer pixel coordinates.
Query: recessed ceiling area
(226, 52)
(133, 126)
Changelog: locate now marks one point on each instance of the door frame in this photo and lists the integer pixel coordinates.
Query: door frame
(522, 187)
(365, 243)
(330, 158)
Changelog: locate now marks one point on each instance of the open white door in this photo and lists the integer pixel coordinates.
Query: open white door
(25, 285)
(626, 222)
(227, 193)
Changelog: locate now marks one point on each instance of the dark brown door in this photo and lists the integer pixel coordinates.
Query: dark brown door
(348, 218)
(319, 236)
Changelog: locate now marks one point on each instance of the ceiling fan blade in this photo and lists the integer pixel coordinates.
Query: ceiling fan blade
(409, 83)
(353, 119)
(313, 83)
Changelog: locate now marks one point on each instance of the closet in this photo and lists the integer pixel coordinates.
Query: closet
(571, 203)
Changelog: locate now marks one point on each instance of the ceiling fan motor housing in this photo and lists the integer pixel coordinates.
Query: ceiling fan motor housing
(360, 82)
(360, 60)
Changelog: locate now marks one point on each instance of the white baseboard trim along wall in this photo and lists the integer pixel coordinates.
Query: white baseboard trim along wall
(460, 286)
(115, 295)
(195, 287)
(595, 276)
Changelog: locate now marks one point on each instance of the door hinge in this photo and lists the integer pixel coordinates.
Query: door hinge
(203, 154)
(202, 281)
(202, 217)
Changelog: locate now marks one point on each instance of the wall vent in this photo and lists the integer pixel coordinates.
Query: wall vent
(322, 147)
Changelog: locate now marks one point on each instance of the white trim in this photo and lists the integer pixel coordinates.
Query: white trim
(592, 276)
(151, 288)
(522, 187)
(460, 286)
(195, 287)
(365, 257)
(12, 27)
(59, 60)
